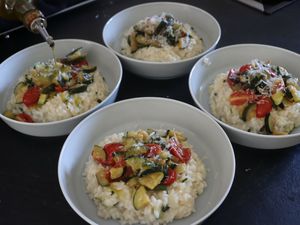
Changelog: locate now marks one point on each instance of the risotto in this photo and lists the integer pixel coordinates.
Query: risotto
(161, 38)
(57, 90)
(258, 97)
(144, 176)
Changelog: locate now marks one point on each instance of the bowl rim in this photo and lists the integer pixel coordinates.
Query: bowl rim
(163, 63)
(125, 101)
(227, 126)
(79, 115)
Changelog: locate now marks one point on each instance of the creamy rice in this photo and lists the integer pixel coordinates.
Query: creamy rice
(179, 197)
(163, 51)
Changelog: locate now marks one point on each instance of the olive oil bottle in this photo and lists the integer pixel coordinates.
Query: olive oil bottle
(26, 12)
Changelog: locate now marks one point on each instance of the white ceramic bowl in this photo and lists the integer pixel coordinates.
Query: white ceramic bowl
(223, 59)
(205, 25)
(209, 141)
(15, 66)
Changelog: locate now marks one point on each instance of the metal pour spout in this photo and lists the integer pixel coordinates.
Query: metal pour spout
(39, 25)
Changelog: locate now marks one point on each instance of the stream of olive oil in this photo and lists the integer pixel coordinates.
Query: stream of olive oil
(53, 52)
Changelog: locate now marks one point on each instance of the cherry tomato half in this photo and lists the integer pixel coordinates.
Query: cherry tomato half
(263, 107)
(232, 78)
(31, 96)
(59, 88)
(128, 173)
(187, 154)
(245, 68)
(24, 118)
(153, 150)
(81, 63)
(182, 154)
(170, 178)
(241, 97)
(110, 149)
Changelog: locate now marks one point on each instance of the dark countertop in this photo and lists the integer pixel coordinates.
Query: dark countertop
(266, 189)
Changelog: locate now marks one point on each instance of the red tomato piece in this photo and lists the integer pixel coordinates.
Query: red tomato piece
(31, 96)
(128, 173)
(81, 63)
(245, 68)
(263, 107)
(241, 97)
(272, 74)
(183, 34)
(119, 161)
(175, 150)
(24, 118)
(232, 78)
(187, 154)
(153, 150)
(182, 154)
(170, 178)
(59, 88)
(110, 149)
(74, 75)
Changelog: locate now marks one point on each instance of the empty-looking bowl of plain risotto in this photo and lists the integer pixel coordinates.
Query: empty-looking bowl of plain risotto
(146, 167)
(46, 93)
(161, 40)
(254, 93)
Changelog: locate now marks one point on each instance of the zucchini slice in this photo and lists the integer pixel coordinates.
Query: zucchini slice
(151, 180)
(75, 56)
(142, 40)
(116, 172)
(128, 142)
(132, 182)
(101, 177)
(19, 91)
(77, 89)
(88, 68)
(42, 99)
(9, 114)
(85, 78)
(98, 153)
(41, 81)
(277, 97)
(140, 198)
(152, 168)
(75, 51)
(286, 102)
(50, 88)
(135, 151)
(132, 42)
(295, 93)
(269, 124)
(249, 112)
(162, 26)
(135, 163)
